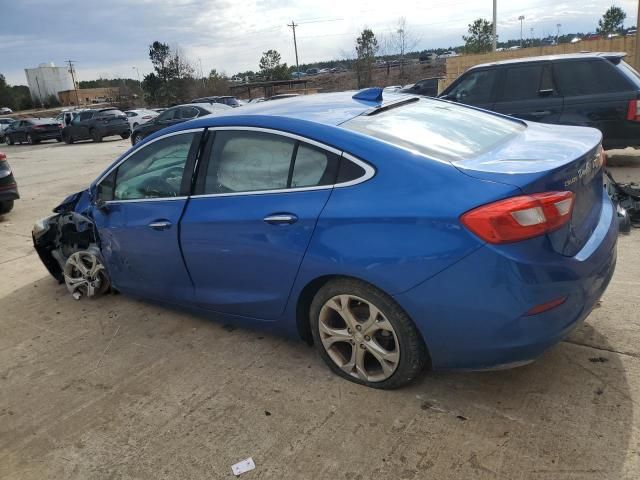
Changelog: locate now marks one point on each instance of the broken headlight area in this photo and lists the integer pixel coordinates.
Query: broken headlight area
(68, 246)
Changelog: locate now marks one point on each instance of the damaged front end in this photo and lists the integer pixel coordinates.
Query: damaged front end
(69, 247)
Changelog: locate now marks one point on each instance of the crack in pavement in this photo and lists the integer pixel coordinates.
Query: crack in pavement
(603, 349)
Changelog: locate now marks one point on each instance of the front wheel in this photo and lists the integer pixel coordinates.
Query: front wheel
(30, 139)
(363, 335)
(95, 136)
(68, 139)
(125, 135)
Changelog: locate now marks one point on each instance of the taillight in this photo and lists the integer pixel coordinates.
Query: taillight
(519, 218)
(3, 157)
(633, 111)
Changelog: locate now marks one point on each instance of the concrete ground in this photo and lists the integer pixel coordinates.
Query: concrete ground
(120, 389)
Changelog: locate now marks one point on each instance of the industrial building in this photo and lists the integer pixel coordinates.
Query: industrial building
(47, 80)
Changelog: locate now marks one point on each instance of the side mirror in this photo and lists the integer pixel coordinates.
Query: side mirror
(102, 205)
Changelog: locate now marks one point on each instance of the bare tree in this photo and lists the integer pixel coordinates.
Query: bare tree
(402, 41)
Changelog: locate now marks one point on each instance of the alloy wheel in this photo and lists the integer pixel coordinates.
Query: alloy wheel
(84, 274)
(358, 338)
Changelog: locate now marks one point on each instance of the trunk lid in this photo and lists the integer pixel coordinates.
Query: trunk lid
(547, 158)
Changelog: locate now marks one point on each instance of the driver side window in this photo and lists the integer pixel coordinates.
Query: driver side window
(154, 171)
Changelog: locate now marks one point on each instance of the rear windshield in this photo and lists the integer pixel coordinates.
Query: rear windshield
(629, 72)
(438, 129)
(42, 121)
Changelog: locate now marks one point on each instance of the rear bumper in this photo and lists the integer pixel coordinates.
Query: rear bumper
(8, 191)
(473, 315)
(47, 135)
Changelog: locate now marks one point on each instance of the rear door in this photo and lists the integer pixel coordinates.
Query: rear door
(144, 198)
(245, 231)
(595, 94)
(527, 91)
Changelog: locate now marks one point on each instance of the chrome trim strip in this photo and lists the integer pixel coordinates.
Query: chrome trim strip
(167, 199)
(282, 133)
(369, 170)
(191, 130)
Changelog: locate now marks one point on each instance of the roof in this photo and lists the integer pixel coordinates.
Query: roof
(551, 58)
(327, 108)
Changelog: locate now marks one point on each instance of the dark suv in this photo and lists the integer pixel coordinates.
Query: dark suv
(97, 124)
(226, 99)
(591, 89)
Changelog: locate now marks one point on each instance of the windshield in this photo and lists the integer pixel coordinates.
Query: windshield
(438, 129)
(630, 72)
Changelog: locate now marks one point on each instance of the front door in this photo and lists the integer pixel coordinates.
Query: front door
(528, 92)
(246, 230)
(144, 198)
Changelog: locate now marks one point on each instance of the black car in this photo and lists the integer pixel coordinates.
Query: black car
(8, 186)
(427, 87)
(225, 99)
(174, 115)
(589, 89)
(33, 130)
(97, 124)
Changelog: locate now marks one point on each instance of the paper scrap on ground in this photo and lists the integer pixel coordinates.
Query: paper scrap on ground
(243, 466)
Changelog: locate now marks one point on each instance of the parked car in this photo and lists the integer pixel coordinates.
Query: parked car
(33, 130)
(427, 87)
(8, 186)
(312, 71)
(96, 125)
(159, 110)
(5, 110)
(597, 90)
(4, 124)
(395, 232)
(139, 116)
(280, 96)
(174, 115)
(225, 99)
(298, 74)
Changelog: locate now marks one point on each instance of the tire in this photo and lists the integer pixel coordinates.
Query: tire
(125, 135)
(10, 140)
(6, 206)
(95, 135)
(68, 139)
(58, 139)
(393, 335)
(137, 138)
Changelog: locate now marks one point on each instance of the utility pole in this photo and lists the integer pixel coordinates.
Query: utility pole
(73, 79)
(558, 34)
(495, 19)
(138, 72)
(637, 55)
(531, 36)
(521, 18)
(295, 44)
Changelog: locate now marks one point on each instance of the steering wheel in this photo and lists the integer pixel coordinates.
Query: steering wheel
(155, 187)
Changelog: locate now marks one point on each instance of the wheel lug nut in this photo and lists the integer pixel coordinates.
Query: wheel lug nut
(363, 346)
(352, 342)
(358, 327)
(367, 338)
(349, 331)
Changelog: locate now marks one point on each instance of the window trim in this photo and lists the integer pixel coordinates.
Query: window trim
(124, 159)
(369, 170)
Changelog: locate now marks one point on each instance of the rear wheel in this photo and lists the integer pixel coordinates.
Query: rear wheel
(137, 138)
(364, 336)
(95, 135)
(58, 139)
(6, 206)
(10, 140)
(125, 135)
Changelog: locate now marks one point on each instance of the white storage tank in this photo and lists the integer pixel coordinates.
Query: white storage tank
(47, 80)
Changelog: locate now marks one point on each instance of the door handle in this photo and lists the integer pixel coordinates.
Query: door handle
(542, 113)
(281, 219)
(160, 225)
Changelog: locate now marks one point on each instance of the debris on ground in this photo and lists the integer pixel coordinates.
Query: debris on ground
(626, 198)
(598, 360)
(243, 466)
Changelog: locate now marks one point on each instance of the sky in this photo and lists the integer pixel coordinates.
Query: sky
(110, 38)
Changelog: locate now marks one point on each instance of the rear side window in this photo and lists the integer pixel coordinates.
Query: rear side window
(589, 77)
(86, 115)
(188, 112)
(524, 82)
(314, 167)
(475, 87)
(438, 129)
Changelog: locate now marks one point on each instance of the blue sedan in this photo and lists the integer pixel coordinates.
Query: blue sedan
(395, 234)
